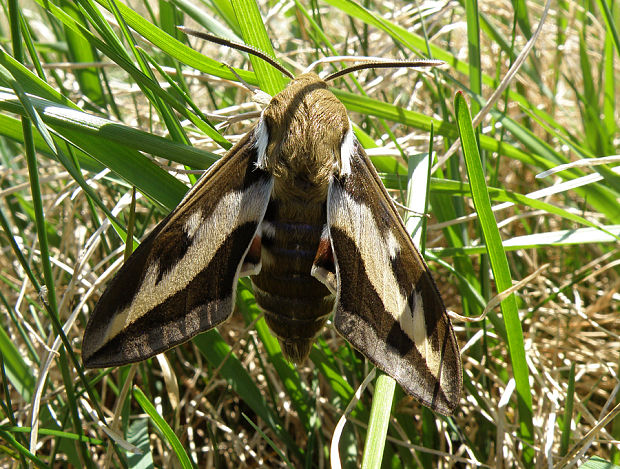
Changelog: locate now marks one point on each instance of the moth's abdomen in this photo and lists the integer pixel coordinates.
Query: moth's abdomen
(296, 305)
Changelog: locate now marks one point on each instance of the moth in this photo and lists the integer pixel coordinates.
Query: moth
(298, 206)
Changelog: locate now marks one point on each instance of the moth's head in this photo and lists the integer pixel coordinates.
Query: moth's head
(306, 127)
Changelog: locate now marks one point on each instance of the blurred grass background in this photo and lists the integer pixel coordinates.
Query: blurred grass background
(97, 98)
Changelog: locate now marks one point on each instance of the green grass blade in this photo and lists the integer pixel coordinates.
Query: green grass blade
(79, 51)
(501, 270)
(610, 22)
(609, 104)
(206, 20)
(521, 13)
(253, 30)
(337, 383)
(379, 422)
(270, 441)
(17, 371)
(21, 449)
(567, 418)
(576, 237)
(473, 43)
(107, 141)
(164, 428)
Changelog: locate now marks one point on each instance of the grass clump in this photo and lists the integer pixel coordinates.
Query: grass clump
(98, 98)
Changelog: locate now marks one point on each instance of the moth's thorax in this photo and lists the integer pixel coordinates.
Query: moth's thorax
(306, 126)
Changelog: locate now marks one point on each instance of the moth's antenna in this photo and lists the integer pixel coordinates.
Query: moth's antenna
(237, 45)
(387, 64)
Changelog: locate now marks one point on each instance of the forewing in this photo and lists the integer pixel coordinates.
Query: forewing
(388, 306)
(182, 278)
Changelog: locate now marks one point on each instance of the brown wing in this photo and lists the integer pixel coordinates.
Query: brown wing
(388, 306)
(182, 278)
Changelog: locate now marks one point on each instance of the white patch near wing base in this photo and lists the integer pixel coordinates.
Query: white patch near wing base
(261, 139)
(346, 151)
(234, 208)
(378, 249)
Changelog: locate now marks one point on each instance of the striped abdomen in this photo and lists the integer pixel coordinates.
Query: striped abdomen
(296, 305)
